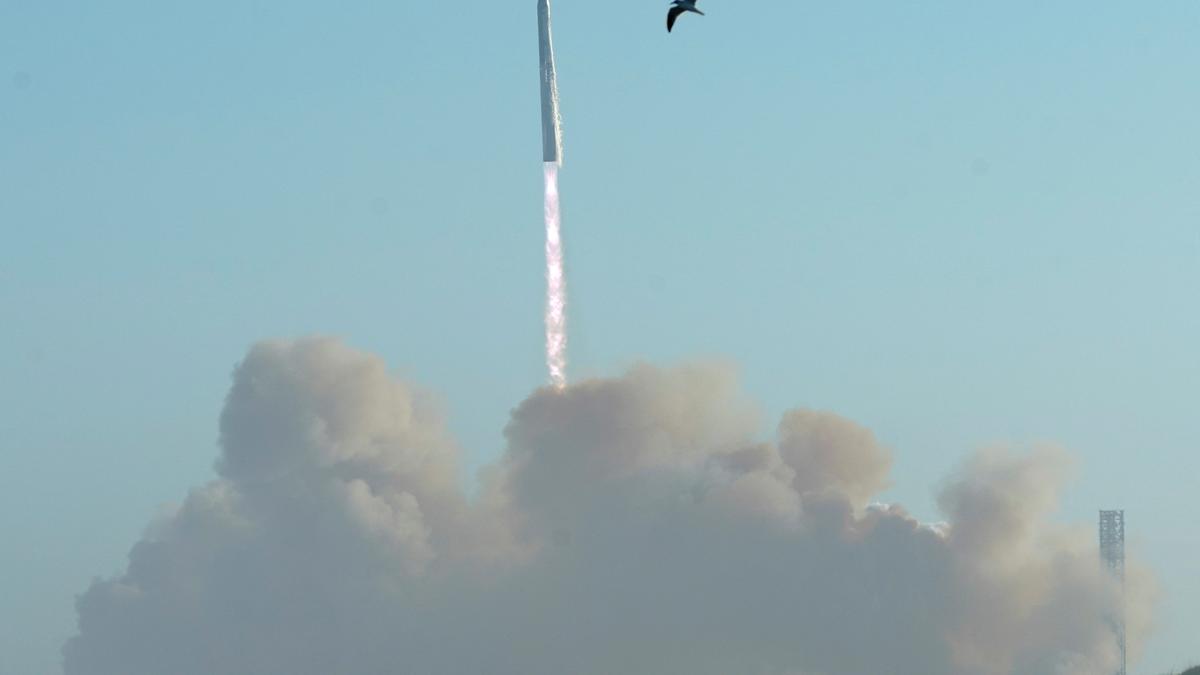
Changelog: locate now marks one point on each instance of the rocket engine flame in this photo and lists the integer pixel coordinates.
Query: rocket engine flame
(556, 287)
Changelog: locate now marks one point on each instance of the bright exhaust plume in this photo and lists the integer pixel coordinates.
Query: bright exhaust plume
(556, 286)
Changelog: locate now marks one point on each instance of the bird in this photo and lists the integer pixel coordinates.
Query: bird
(679, 7)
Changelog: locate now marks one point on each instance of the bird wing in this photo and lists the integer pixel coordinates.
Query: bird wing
(673, 14)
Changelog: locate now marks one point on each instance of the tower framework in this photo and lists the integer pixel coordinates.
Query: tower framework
(1112, 554)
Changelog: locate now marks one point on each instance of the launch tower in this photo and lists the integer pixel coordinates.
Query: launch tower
(1112, 554)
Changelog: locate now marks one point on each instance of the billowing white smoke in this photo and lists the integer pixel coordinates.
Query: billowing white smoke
(634, 525)
(556, 285)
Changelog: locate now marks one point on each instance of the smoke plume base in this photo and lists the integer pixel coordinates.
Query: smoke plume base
(634, 524)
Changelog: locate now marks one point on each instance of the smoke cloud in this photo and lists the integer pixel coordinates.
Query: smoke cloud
(634, 525)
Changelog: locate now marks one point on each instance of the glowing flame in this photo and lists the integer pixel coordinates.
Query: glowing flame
(556, 286)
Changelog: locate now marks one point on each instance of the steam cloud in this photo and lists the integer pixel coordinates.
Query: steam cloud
(634, 525)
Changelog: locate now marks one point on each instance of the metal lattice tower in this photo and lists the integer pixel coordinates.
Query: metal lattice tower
(1112, 554)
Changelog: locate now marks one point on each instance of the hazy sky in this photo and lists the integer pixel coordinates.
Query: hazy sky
(957, 224)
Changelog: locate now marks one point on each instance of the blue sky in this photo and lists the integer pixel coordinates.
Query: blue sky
(958, 224)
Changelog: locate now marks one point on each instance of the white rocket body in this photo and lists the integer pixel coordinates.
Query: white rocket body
(551, 121)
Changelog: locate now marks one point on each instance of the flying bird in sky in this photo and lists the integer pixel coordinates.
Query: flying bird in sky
(679, 7)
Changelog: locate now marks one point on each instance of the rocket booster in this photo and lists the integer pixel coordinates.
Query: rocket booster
(551, 121)
(556, 290)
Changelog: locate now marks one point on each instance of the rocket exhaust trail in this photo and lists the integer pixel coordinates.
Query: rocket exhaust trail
(556, 289)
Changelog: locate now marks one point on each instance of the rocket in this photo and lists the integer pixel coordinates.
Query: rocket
(556, 290)
(551, 121)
